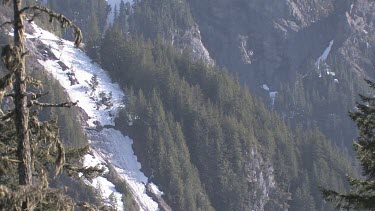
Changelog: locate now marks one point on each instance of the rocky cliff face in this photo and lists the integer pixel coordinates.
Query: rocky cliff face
(279, 36)
(358, 47)
(260, 175)
(191, 40)
(279, 42)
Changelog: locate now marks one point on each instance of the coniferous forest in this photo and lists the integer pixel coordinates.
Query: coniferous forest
(227, 105)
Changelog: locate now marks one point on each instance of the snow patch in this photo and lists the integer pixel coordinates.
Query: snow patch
(156, 189)
(272, 94)
(273, 97)
(265, 87)
(108, 145)
(104, 187)
(321, 64)
(324, 56)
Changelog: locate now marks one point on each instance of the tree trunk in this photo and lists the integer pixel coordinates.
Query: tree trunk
(20, 101)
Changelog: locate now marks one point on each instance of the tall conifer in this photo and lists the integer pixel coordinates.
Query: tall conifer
(362, 193)
(26, 142)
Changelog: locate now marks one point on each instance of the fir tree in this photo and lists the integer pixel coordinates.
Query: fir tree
(30, 145)
(94, 83)
(362, 194)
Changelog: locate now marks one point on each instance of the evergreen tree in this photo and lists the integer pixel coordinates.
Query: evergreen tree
(93, 41)
(362, 194)
(94, 83)
(121, 19)
(33, 146)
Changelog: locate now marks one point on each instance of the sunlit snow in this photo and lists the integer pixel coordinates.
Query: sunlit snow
(265, 87)
(108, 145)
(272, 94)
(324, 56)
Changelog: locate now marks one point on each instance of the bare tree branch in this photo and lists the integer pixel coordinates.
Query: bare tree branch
(9, 95)
(10, 114)
(32, 95)
(65, 22)
(45, 105)
(7, 159)
(7, 23)
(7, 116)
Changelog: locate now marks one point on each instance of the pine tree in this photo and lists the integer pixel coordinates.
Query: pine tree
(122, 17)
(32, 146)
(93, 41)
(362, 194)
(94, 83)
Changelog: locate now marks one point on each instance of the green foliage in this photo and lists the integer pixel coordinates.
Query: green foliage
(362, 193)
(320, 101)
(84, 13)
(160, 18)
(25, 141)
(195, 124)
(127, 197)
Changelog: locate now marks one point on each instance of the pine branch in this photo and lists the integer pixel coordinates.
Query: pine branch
(88, 172)
(76, 153)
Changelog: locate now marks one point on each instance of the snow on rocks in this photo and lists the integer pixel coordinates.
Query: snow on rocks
(103, 186)
(108, 145)
(321, 64)
(272, 94)
(273, 97)
(265, 87)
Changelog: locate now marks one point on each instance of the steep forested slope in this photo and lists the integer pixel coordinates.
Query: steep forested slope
(186, 116)
(281, 44)
(71, 133)
(262, 128)
(311, 56)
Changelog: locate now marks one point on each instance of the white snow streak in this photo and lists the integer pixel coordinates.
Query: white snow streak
(272, 94)
(265, 87)
(108, 145)
(324, 56)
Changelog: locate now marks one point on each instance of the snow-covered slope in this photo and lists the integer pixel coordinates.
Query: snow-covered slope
(108, 146)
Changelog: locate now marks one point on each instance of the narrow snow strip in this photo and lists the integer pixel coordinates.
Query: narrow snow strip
(118, 148)
(273, 97)
(272, 94)
(109, 144)
(324, 56)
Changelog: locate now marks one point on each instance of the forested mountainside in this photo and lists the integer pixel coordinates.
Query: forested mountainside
(306, 59)
(71, 132)
(234, 104)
